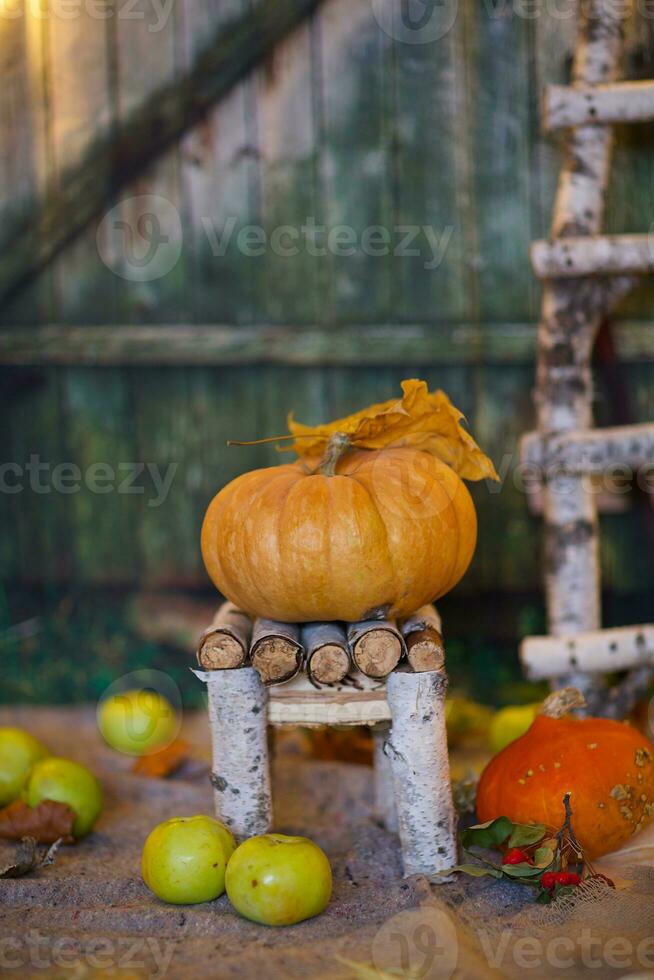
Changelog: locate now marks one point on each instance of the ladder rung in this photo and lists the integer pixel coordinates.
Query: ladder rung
(592, 255)
(616, 102)
(595, 651)
(590, 450)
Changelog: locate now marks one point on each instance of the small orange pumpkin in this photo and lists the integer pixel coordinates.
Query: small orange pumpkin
(606, 766)
(373, 519)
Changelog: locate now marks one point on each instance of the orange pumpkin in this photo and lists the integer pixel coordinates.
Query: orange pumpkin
(365, 533)
(606, 766)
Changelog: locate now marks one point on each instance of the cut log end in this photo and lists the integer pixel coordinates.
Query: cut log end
(329, 664)
(276, 659)
(220, 652)
(377, 653)
(425, 650)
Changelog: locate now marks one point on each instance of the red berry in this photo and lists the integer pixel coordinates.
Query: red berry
(549, 880)
(516, 856)
(567, 878)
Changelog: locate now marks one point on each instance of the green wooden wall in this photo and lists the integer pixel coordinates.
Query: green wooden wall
(346, 126)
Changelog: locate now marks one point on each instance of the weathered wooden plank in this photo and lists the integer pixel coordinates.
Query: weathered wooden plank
(17, 172)
(503, 409)
(497, 112)
(552, 42)
(356, 345)
(144, 228)
(184, 436)
(167, 527)
(24, 141)
(98, 423)
(286, 389)
(80, 114)
(286, 145)
(41, 512)
(355, 91)
(431, 174)
(153, 126)
(632, 173)
(219, 175)
(219, 166)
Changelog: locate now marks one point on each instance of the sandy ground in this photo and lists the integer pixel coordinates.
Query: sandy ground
(90, 915)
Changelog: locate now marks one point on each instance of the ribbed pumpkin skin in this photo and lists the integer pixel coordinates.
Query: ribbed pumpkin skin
(392, 530)
(606, 766)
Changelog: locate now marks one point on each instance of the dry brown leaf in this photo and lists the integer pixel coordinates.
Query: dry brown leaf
(163, 763)
(30, 858)
(421, 419)
(46, 823)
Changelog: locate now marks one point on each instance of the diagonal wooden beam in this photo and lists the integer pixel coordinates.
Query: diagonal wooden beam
(115, 159)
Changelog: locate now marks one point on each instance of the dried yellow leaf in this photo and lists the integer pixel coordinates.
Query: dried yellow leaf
(421, 419)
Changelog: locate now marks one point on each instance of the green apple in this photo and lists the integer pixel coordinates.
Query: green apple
(66, 782)
(184, 859)
(137, 722)
(278, 880)
(18, 752)
(510, 723)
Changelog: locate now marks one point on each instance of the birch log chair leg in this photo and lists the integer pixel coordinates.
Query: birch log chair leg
(240, 774)
(385, 807)
(417, 749)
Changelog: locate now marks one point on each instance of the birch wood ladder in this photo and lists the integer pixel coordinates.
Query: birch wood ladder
(584, 275)
(405, 711)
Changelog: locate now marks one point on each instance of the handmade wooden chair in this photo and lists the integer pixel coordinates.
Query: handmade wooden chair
(585, 274)
(404, 709)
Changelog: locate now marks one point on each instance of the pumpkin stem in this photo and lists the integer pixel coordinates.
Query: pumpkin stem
(338, 444)
(562, 702)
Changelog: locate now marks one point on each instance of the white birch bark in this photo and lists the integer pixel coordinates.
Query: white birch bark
(595, 651)
(383, 778)
(570, 316)
(240, 773)
(616, 102)
(417, 749)
(590, 451)
(599, 255)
